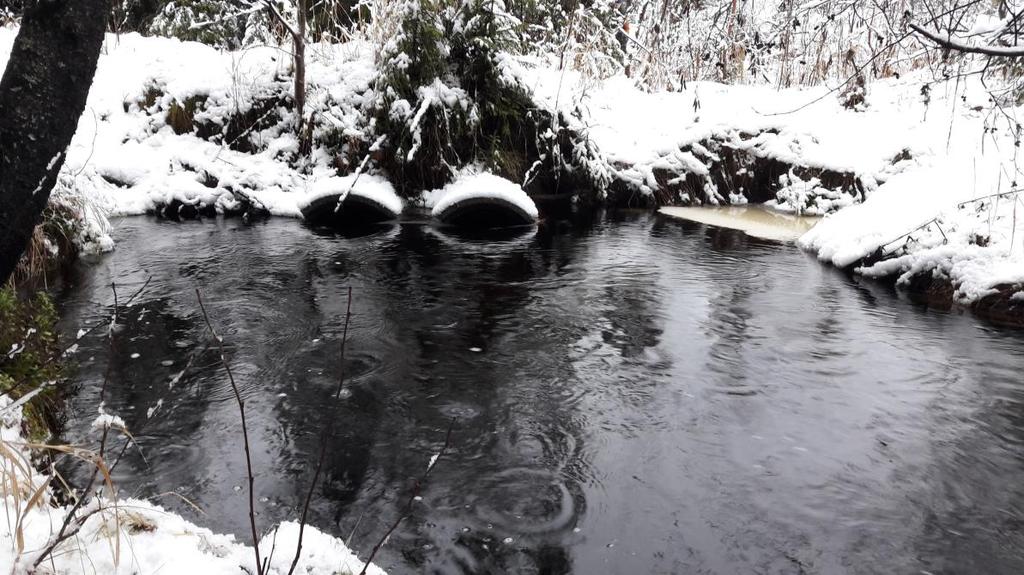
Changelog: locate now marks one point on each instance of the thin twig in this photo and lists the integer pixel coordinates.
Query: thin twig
(277, 15)
(327, 432)
(416, 490)
(66, 530)
(79, 337)
(245, 432)
(990, 196)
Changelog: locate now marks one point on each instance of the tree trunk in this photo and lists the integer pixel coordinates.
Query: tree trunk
(299, 42)
(42, 94)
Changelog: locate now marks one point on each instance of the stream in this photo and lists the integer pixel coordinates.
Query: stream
(630, 395)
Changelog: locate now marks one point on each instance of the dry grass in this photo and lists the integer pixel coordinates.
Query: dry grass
(52, 245)
(26, 491)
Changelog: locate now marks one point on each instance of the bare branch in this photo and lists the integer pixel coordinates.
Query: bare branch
(416, 490)
(328, 430)
(277, 16)
(947, 41)
(245, 433)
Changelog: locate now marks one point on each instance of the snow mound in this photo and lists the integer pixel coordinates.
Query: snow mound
(480, 186)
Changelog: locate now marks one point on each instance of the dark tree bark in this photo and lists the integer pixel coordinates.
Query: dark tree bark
(42, 95)
(299, 43)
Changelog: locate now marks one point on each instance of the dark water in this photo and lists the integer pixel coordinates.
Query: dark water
(648, 397)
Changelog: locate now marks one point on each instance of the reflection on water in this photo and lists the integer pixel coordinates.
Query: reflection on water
(638, 395)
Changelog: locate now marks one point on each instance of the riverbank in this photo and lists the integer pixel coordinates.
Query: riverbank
(917, 181)
(127, 535)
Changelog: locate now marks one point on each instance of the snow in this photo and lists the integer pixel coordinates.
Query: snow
(919, 148)
(371, 187)
(132, 536)
(107, 421)
(928, 218)
(480, 185)
(919, 154)
(126, 160)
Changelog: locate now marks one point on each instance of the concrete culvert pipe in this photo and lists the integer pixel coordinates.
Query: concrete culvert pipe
(369, 200)
(484, 201)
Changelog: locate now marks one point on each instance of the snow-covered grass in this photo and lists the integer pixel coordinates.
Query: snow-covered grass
(131, 536)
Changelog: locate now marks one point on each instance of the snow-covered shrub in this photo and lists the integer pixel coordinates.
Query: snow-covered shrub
(10, 12)
(214, 22)
(581, 35)
(416, 110)
(449, 97)
(854, 95)
(222, 23)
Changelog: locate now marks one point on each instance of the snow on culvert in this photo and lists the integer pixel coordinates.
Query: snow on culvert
(478, 193)
(372, 192)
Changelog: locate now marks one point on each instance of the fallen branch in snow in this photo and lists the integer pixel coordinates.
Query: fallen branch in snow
(245, 433)
(882, 249)
(948, 42)
(328, 430)
(991, 196)
(416, 490)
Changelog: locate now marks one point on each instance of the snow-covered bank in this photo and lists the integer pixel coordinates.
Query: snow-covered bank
(128, 156)
(180, 127)
(134, 536)
(910, 182)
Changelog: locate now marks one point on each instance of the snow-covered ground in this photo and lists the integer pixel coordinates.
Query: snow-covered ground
(924, 162)
(130, 536)
(922, 152)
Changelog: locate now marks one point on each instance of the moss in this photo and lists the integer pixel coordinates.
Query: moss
(28, 324)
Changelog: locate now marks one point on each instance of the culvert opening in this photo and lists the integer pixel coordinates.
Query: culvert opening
(483, 213)
(355, 211)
